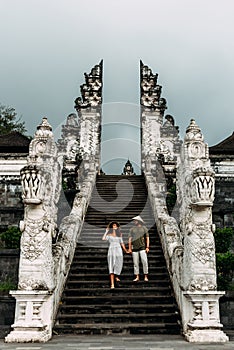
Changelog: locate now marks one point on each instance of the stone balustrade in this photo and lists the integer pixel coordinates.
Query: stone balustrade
(188, 245)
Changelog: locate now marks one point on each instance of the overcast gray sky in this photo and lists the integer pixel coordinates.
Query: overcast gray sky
(47, 45)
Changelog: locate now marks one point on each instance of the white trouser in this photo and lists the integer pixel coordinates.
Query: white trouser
(144, 260)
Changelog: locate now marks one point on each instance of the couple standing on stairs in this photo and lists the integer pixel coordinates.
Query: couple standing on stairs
(138, 246)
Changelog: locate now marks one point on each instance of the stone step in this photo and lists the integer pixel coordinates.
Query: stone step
(124, 277)
(128, 317)
(102, 258)
(122, 291)
(119, 328)
(102, 269)
(113, 297)
(88, 304)
(103, 282)
(107, 307)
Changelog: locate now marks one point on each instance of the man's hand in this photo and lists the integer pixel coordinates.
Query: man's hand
(147, 250)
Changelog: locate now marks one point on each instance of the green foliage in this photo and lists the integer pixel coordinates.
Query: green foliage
(9, 121)
(64, 185)
(7, 285)
(223, 239)
(11, 237)
(225, 270)
(224, 258)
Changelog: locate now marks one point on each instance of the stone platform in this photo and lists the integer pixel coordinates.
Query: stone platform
(143, 342)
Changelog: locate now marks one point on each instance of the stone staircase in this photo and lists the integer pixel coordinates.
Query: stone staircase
(88, 305)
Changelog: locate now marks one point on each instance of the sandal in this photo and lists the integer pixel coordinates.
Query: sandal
(136, 279)
(117, 279)
(146, 279)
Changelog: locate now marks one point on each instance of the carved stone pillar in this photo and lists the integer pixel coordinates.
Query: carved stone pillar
(89, 110)
(159, 139)
(204, 322)
(195, 193)
(152, 110)
(41, 181)
(32, 321)
(70, 156)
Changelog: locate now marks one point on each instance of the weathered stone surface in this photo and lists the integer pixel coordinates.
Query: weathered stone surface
(188, 244)
(189, 248)
(13, 156)
(46, 251)
(222, 161)
(91, 91)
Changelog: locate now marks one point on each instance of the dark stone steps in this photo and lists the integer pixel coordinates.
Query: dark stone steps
(119, 328)
(115, 298)
(124, 282)
(122, 292)
(101, 270)
(88, 305)
(94, 258)
(116, 317)
(124, 277)
(113, 308)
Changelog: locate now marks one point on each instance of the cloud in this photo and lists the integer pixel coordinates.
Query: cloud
(46, 46)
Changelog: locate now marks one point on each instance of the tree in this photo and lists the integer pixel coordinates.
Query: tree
(224, 258)
(9, 121)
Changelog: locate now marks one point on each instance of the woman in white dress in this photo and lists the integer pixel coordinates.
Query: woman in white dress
(115, 251)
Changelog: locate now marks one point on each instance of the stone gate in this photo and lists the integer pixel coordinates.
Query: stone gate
(47, 248)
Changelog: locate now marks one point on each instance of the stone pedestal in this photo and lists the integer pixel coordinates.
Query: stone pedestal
(204, 324)
(32, 317)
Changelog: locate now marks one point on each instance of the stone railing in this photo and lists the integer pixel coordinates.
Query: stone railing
(200, 308)
(69, 232)
(188, 244)
(46, 253)
(168, 231)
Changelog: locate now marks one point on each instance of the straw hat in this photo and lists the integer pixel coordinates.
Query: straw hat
(138, 218)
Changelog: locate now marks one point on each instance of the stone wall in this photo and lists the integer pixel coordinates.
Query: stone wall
(11, 206)
(7, 312)
(9, 264)
(223, 209)
(227, 310)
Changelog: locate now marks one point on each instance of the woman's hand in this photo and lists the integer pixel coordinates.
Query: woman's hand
(105, 234)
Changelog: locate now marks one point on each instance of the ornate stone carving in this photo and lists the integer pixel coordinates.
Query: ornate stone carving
(44, 266)
(41, 188)
(202, 284)
(195, 192)
(35, 238)
(128, 169)
(150, 90)
(91, 91)
(32, 189)
(71, 155)
(160, 141)
(31, 284)
(189, 249)
(202, 190)
(202, 251)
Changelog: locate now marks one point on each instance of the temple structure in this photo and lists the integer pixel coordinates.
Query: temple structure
(222, 161)
(14, 149)
(186, 235)
(128, 169)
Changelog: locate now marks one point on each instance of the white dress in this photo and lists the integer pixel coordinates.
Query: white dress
(115, 254)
